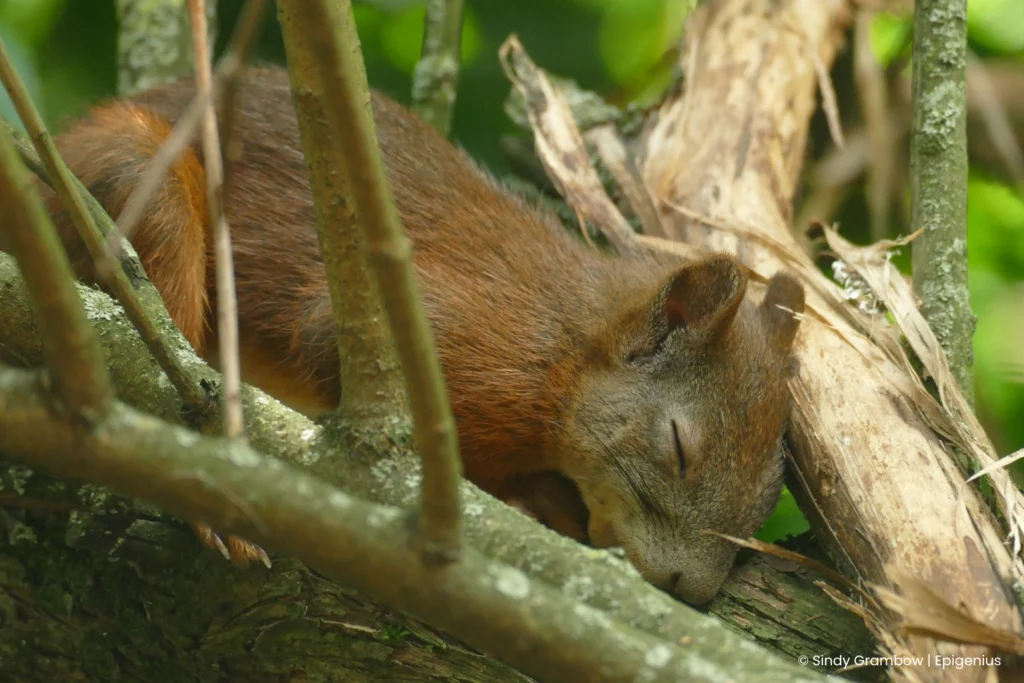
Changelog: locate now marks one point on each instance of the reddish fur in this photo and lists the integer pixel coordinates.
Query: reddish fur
(108, 152)
(514, 333)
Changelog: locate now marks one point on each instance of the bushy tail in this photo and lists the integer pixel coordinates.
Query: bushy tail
(108, 151)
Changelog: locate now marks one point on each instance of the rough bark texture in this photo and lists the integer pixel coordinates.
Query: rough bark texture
(782, 613)
(882, 486)
(938, 180)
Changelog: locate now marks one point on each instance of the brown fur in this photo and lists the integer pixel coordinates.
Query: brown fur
(558, 359)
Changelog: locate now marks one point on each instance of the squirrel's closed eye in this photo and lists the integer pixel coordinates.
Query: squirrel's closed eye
(648, 354)
(680, 454)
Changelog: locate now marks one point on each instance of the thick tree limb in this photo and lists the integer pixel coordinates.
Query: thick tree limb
(491, 606)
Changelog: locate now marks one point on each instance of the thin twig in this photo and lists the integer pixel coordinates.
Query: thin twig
(613, 155)
(227, 303)
(52, 169)
(436, 78)
(829, 102)
(152, 178)
(247, 30)
(320, 36)
(226, 75)
(73, 352)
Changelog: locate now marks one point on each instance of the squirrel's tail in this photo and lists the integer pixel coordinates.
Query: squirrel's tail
(108, 151)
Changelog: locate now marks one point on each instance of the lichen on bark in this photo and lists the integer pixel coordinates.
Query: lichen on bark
(938, 177)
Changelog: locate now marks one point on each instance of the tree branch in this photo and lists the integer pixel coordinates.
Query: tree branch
(326, 65)
(938, 180)
(489, 605)
(436, 78)
(73, 353)
(370, 372)
(213, 167)
(855, 402)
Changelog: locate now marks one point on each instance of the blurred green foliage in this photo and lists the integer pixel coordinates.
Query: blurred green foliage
(66, 50)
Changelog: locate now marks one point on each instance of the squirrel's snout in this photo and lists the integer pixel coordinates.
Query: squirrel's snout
(697, 592)
(694, 580)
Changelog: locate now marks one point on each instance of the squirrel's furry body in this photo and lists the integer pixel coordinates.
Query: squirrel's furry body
(531, 325)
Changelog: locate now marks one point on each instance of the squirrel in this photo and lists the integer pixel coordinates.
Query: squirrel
(631, 401)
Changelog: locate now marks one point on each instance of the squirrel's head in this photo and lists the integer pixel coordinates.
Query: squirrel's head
(677, 427)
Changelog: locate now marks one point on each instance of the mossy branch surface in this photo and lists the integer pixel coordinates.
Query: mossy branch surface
(489, 605)
(326, 64)
(938, 180)
(435, 81)
(73, 354)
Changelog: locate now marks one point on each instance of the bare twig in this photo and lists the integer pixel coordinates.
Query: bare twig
(227, 303)
(829, 102)
(73, 353)
(436, 78)
(324, 51)
(225, 78)
(73, 200)
(247, 30)
(156, 171)
(938, 162)
(614, 156)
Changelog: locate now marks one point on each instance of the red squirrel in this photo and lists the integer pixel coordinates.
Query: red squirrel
(629, 401)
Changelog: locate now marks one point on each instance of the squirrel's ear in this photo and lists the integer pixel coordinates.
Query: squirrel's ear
(704, 295)
(783, 302)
